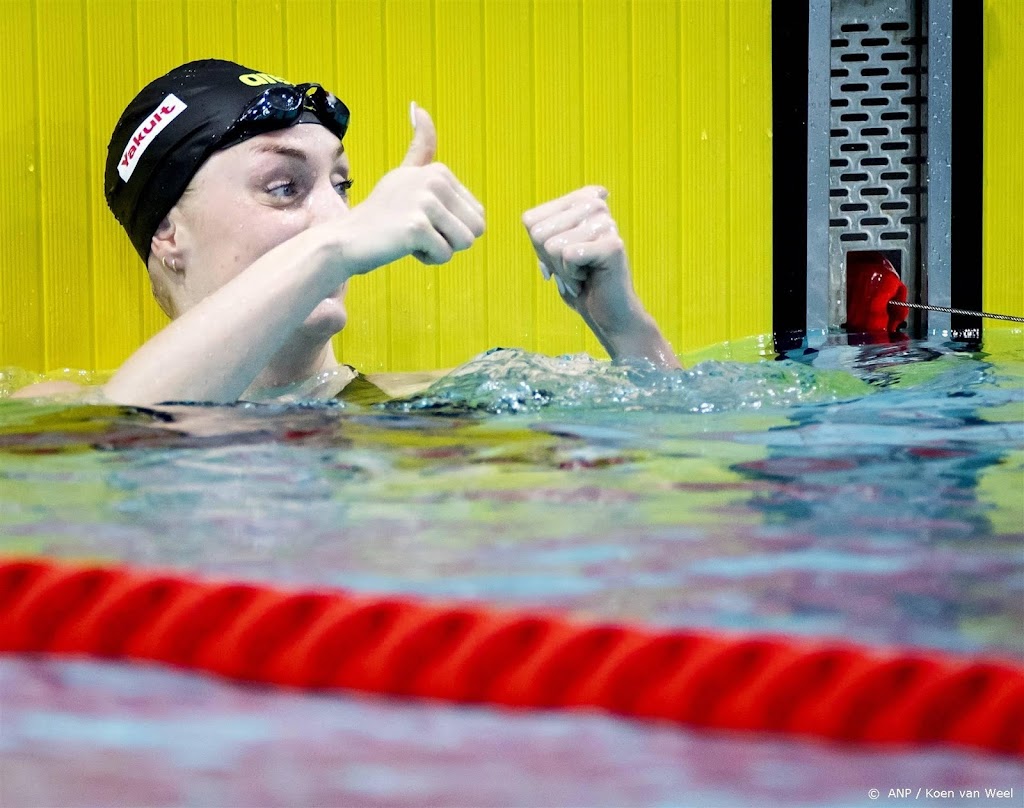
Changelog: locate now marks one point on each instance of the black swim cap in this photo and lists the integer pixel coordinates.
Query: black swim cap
(167, 132)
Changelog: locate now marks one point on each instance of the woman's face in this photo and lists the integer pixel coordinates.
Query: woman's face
(247, 199)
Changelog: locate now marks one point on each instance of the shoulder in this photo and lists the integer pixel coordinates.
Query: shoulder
(376, 388)
(399, 385)
(47, 389)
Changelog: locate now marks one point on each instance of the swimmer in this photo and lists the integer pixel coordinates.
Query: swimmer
(232, 186)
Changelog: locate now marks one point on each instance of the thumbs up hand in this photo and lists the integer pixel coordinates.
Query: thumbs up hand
(424, 138)
(419, 209)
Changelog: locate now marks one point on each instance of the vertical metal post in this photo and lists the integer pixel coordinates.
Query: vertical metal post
(879, 149)
(819, 25)
(937, 286)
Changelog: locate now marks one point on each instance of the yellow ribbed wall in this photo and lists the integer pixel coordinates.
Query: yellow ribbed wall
(1003, 278)
(666, 102)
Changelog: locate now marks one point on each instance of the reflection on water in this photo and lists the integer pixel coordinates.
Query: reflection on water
(102, 734)
(870, 493)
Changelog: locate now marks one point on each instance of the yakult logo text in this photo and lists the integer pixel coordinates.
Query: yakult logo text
(169, 109)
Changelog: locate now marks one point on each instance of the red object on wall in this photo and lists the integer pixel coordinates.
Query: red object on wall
(871, 283)
(467, 653)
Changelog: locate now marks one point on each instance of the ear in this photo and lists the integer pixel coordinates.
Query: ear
(166, 247)
(166, 266)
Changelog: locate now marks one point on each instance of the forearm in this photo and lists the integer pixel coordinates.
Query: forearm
(642, 340)
(214, 351)
(626, 330)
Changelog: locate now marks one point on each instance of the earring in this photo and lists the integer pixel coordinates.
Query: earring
(174, 264)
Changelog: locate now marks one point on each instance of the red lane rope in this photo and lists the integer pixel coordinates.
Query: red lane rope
(463, 653)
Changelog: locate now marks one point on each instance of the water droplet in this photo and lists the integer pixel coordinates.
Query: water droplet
(31, 168)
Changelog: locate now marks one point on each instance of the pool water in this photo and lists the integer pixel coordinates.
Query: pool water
(870, 493)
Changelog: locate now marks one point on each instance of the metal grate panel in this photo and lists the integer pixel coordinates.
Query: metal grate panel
(877, 139)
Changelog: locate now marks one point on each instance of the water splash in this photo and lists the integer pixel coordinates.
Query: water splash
(516, 381)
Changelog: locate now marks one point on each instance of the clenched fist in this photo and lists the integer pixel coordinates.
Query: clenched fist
(578, 244)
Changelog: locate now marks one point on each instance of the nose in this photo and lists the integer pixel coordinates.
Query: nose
(325, 203)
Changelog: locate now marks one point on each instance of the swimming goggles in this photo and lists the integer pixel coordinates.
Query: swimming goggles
(281, 106)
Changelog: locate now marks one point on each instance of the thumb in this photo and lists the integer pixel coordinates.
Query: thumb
(424, 140)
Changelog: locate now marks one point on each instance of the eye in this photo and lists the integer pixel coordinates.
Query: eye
(342, 188)
(283, 190)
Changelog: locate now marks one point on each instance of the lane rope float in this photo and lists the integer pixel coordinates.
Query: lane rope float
(326, 639)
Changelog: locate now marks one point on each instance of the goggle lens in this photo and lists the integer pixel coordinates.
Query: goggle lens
(283, 104)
